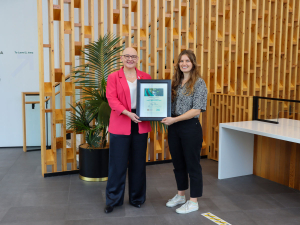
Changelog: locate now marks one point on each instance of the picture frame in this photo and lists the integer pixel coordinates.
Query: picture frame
(153, 99)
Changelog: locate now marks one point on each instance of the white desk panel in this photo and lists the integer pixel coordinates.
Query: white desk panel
(287, 129)
(236, 143)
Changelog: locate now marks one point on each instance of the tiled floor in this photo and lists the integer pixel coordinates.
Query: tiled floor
(26, 198)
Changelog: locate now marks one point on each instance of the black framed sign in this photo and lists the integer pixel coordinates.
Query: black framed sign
(153, 99)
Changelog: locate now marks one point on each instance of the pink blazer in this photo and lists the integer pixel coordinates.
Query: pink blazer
(118, 96)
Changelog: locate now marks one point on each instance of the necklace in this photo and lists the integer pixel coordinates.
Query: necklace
(133, 76)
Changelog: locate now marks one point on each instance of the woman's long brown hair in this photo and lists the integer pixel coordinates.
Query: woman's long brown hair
(178, 75)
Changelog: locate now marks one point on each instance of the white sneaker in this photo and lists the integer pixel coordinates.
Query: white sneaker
(176, 201)
(188, 207)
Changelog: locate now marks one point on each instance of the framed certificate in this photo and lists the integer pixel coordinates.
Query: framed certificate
(153, 99)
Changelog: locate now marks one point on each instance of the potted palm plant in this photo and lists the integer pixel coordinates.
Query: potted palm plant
(91, 115)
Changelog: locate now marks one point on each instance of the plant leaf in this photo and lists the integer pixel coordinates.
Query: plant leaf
(102, 59)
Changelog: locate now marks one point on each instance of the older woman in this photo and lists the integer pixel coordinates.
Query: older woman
(128, 135)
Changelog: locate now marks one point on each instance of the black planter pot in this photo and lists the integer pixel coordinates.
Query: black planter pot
(93, 164)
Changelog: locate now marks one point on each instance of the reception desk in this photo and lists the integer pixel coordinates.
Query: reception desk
(246, 146)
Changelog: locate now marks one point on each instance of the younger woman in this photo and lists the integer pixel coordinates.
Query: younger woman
(189, 97)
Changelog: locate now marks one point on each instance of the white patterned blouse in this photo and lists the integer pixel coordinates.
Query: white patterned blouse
(197, 100)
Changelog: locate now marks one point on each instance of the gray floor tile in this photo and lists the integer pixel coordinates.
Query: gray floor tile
(145, 220)
(65, 178)
(288, 200)
(167, 192)
(155, 182)
(153, 174)
(161, 208)
(27, 198)
(48, 187)
(275, 188)
(13, 187)
(87, 186)
(75, 179)
(14, 178)
(287, 221)
(86, 222)
(207, 163)
(272, 215)
(35, 214)
(210, 170)
(85, 197)
(22, 169)
(211, 179)
(249, 179)
(207, 181)
(252, 202)
(8, 157)
(147, 209)
(9, 198)
(5, 166)
(3, 211)
(194, 218)
(92, 211)
(62, 222)
(153, 194)
(166, 175)
(235, 217)
(2, 174)
(207, 205)
(43, 198)
(294, 211)
(84, 211)
(214, 190)
(224, 203)
(246, 189)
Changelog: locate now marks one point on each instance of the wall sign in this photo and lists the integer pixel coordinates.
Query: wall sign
(23, 52)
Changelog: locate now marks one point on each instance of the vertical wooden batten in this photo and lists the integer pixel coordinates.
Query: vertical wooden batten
(243, 48)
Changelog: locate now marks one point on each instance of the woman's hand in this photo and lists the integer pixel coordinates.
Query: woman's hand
(133, 117)
(169, 121)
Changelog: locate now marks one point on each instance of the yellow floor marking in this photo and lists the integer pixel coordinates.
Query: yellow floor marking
(214, 218)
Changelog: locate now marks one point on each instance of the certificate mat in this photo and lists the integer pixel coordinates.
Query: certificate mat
(153, 99)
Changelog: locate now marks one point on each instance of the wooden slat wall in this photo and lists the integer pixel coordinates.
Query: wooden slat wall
(243, 47)
(58, 78)
(166, 30)
(72, 91)
(253, 46)
(277, 160)
(226, 108)
(260, 56)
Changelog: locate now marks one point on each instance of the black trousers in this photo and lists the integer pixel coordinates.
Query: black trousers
(185, 142)
(127, 150)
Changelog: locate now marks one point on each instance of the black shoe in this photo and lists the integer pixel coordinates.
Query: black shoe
(136, 205)
(108, 209)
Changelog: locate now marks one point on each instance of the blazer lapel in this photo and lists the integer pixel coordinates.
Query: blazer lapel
(139, 75)
(125, 87)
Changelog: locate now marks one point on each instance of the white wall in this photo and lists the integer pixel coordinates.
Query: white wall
(18, 72)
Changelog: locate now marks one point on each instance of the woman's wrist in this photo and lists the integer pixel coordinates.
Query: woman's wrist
(126, 112)
(176, 119)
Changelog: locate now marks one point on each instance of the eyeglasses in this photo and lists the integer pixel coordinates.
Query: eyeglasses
(134, 57)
